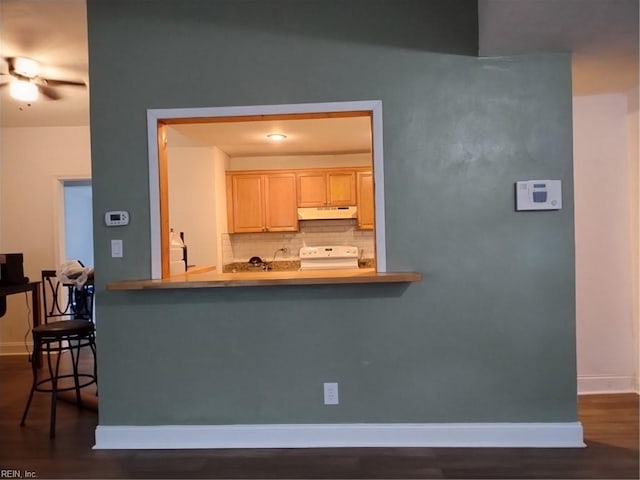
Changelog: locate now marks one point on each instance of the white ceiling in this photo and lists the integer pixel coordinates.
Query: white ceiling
(304, 136)
(603, 34)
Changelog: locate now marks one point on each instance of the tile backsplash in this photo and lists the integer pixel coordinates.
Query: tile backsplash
(240, 247)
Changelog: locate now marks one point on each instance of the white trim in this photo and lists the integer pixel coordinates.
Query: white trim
(154, 192)
(593, 384)
(15, 348)
(531, 435)
(154, 115)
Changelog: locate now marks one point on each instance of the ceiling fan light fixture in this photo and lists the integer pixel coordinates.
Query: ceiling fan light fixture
(27, 67)
(23, 90)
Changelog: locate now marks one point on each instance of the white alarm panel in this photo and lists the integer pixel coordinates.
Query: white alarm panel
(539, 195)
(116, 218)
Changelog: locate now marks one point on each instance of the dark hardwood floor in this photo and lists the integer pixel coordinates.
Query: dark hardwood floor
(610, 423)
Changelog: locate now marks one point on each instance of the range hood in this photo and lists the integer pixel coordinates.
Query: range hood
(326, 213)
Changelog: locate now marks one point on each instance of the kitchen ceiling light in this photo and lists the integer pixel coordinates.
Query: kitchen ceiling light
(276, 137)
(23, 90)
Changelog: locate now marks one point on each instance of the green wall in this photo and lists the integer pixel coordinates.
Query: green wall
(487, 336)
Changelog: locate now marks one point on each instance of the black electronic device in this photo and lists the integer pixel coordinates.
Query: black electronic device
(11, 271)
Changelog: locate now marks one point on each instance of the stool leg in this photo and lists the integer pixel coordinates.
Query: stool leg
(74, 363)
(54, 389)
(95, 362)
(34, 370)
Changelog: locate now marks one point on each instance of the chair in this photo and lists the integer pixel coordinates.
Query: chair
(68, 326)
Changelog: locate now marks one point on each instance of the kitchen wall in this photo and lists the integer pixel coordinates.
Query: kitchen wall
(494, 318)
(240, 247)
(33, 161)
(192, 201)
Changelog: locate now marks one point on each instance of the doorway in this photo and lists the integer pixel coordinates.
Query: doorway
(77, 239)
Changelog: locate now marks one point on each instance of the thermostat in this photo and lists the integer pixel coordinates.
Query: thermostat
(116, 218)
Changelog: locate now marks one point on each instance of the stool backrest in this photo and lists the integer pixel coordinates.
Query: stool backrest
(64, 301)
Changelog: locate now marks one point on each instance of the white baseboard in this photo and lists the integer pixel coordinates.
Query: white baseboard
(533, 435)
(15, 348)
(593, 384)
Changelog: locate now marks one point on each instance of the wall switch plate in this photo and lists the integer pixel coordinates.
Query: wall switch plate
(331, 393)
(116, 249)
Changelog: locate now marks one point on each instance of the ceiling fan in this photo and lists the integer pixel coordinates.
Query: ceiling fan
(25, 82)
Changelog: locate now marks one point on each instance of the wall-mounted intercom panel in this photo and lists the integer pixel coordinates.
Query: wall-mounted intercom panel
(539, 195)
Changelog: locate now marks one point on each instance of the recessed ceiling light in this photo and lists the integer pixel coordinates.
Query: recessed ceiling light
(276, 137)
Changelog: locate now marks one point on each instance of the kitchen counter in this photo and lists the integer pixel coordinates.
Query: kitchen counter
(283, 266)
(261, 278)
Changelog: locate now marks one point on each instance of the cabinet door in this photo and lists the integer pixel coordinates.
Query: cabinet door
(341, 189)
(312, 189)
(281, 213)
(366, 212)
(248, 203)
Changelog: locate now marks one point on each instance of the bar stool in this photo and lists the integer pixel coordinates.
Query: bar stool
(68, 327)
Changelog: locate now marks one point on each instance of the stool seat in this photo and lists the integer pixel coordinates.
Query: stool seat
(64, 327)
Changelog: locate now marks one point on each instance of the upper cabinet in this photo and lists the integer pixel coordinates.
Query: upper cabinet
(268, 201)
(259, 202)
(322, 188)
(366, 211)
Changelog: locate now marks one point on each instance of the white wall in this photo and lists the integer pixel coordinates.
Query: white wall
(604, 245)
(633, 148)
(32, 162)
(192, 201)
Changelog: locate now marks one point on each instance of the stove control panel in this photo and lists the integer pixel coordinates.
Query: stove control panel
(338, 251)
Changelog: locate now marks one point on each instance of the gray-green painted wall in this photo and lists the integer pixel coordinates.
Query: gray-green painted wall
(487, 336)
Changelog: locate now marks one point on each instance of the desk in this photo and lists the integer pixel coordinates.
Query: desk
(34, 288)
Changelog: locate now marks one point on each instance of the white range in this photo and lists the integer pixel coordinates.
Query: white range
(329, 257)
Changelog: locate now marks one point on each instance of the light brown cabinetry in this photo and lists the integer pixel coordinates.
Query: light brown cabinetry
(326, 188)
(261, 202)
(366, 210)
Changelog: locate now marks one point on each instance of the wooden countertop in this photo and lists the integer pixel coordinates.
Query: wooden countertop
(214, 279)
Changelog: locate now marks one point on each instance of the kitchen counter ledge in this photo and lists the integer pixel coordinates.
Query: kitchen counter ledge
(263, 279)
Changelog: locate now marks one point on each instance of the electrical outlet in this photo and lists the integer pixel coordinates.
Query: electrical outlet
(285, 252)
(331, 393)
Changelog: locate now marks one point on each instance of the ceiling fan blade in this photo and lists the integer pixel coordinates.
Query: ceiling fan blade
(51, 82)
(49, 92)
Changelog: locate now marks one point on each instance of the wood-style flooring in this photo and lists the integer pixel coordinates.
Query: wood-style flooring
(610, 423)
